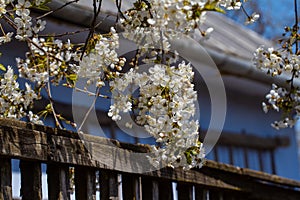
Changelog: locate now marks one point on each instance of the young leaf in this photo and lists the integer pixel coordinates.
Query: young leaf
(212, 6)
(72, 77)
(2, 67)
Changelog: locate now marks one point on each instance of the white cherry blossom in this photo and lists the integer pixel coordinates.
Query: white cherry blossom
(165, 107)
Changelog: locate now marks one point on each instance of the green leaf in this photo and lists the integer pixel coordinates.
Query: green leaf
(212, 6)
(2, 67)
(42, 8)
(72, 77)
(48, 107)
(188, 157)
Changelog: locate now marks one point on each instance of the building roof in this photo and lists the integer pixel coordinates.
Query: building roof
(231, 38)
(231, 45)
(228, 37)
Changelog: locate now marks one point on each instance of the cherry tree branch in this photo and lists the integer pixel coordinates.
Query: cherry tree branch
(48, 89)
(93, 24)
(296, 26)
(52, 11)
(89, 111)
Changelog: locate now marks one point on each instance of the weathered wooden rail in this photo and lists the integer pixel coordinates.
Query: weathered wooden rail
(107, 165)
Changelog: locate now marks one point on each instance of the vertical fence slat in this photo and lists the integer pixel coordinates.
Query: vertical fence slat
(185, 191)
(165, 190)
(58, 182)
(200, 193)
(149, 189)
(215, 195)
(104, 185)
(231, 157)
(109, 186)
(5, 179)
(261, 160)
(229, 196)
(31, 180)
(273, 163)
(246, 159)
(216, 154)
(130, 187)
(85, 183)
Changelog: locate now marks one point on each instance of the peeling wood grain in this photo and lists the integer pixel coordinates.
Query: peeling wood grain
(43, 144)
(21, 142)
(109, 185)
(58, 182)
(225, 168)
(85, 183)
(5, 179)
(31, 180)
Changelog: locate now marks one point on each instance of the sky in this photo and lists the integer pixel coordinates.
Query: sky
(274, 16)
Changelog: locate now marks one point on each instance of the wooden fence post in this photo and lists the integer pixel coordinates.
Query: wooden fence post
(58, 182)
(109, 186)
(185, 191)
(5, 179)
(130, 187)
(165, 190)
(200, 193)
(149, 189)
(31, 180)
(215, 195)
(85, 183)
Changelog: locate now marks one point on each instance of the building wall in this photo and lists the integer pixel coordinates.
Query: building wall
(244, 114)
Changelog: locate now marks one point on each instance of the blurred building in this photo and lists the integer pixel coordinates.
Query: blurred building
(247, 138)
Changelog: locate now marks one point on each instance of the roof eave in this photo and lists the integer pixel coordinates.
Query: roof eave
(227, 64)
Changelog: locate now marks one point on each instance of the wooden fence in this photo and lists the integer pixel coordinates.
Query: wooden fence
(63, 151)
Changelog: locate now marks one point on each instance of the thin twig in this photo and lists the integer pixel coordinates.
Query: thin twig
(3, 32)
(91, 93)
(296, 24)
(244, 11)
(119, 6)
(163, 60)
(10, 22)
(66, 33)
(28, 40)
(52, 11)
(99, 23)
(48, 89)
(297, 45)
(93, 25)
(89, 111)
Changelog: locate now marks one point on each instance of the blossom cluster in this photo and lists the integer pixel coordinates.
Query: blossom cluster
(281, 99)
(101, 59)
(16, 102)
(276, 62)
(231, 4)
(252, 18)
(153, 24)
(48, 58)
(21, 19)
(13, 101)
(176, 15)
(284, 61)
(165, 106)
